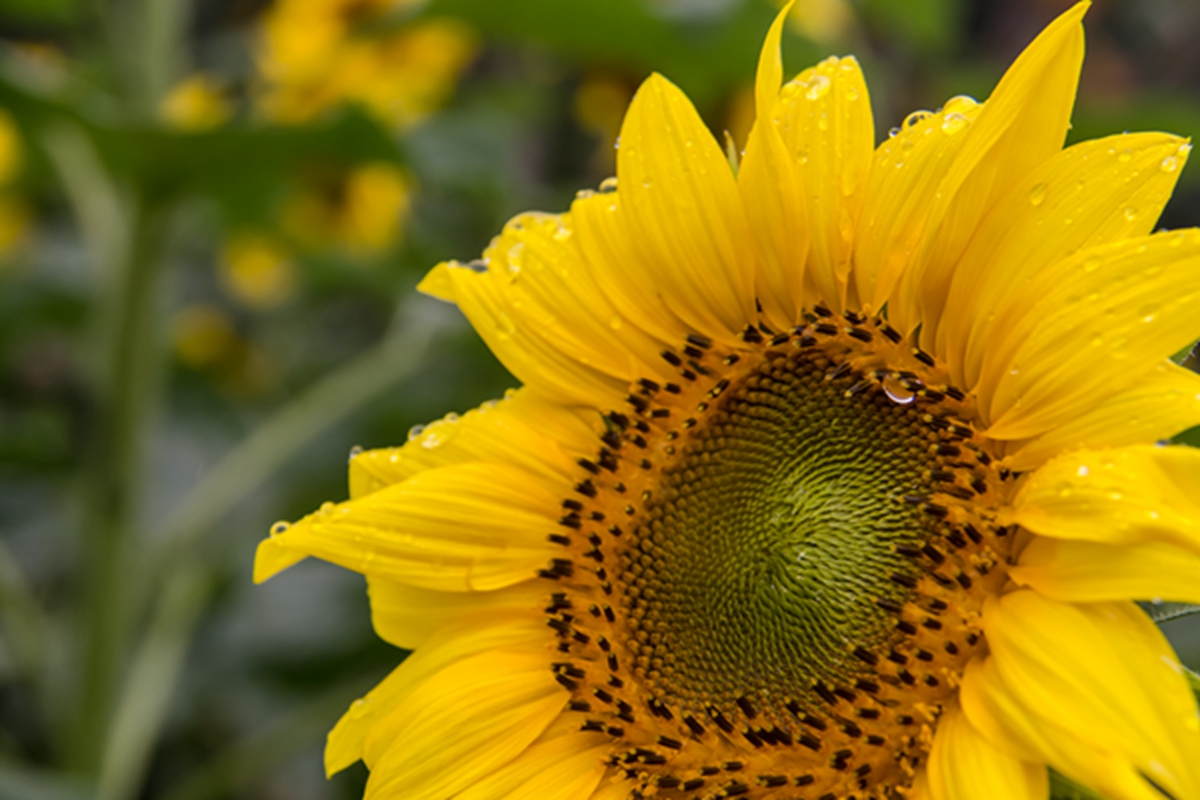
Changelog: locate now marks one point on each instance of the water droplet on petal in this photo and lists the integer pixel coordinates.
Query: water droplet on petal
(1124, 156)
(415, 431)
(818, 85)
(504, 326)
(896, 391)
(1037, 195)
(1083, 471)
(915, 118)
(354, 451)
(953, 122)
(1169, 164)
(1130, 213)
(280, 528)
(326, 507)
(359, 708)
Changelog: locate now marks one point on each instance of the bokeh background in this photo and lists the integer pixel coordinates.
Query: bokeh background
(212, 217)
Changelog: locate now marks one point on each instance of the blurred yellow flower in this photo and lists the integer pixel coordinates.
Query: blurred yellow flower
(821, 21)
(317, 54)
(361, 211)
(256, 270)
(196, 103)
(203, 335)
(14, 212)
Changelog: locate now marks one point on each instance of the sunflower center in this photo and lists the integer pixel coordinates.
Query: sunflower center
(775, 532)
(773, 567)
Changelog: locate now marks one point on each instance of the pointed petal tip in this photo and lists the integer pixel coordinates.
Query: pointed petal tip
(438, 283)
(272, 557)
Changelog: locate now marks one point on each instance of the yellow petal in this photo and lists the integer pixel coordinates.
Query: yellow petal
(1105, 674)
(469, 527)
(533, 300)
(824, 118)
(963, 766)
(1023, 122)
(407, 615)
(1163, 403)
(522, 429)
(1121, 496)
(1093, 193)
(679, 200)
(616, 263)
(565, 768)
(1088, 572)
(1089, 326)
(770, 187)
(462, 638)
(462, 724)
(908, 170)
(997, 713)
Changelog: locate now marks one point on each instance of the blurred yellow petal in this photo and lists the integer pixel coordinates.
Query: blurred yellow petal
(1122, 496)
(1105, 674)
(256, 270)
(1166, 401)
(679, 201)
(964, 766)
(1128, 305)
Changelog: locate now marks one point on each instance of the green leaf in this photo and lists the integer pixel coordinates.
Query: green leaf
(705, 57)
(240, 166)
(1165, 612)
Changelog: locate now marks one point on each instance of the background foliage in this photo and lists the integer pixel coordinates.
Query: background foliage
(212, 217)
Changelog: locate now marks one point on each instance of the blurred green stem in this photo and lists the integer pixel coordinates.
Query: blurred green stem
(130, 363)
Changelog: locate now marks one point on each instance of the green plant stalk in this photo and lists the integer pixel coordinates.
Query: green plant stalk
(127, 382)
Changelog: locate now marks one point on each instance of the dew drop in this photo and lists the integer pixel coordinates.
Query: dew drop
(359, 708)
(953, 122)
(915, 118)
(1124, 156)
(896, 391)
(823, 122)
(326, 507)
(1130, 213)
(1083, 471)
(415, 431)
(893, 132)
(584, 194)
(280, 528)
(1169, 164)
(818, 86)
(1037, 195)
(356, 450)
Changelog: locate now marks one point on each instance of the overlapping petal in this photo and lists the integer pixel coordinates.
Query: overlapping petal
(1094, 690)
(469, 527)
(772, 194)
(964, 766)
(1023, 123)
(462, 724)
(1163, 403)
(824, 118)
(1123, 496)
(536, 304)
(1093, 193)
(1127, 305)
(373, 716)
(679, 201)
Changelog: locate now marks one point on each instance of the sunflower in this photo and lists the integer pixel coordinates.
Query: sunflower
(833, 473)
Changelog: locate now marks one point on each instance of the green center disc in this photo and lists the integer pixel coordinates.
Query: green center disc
(757, 569)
